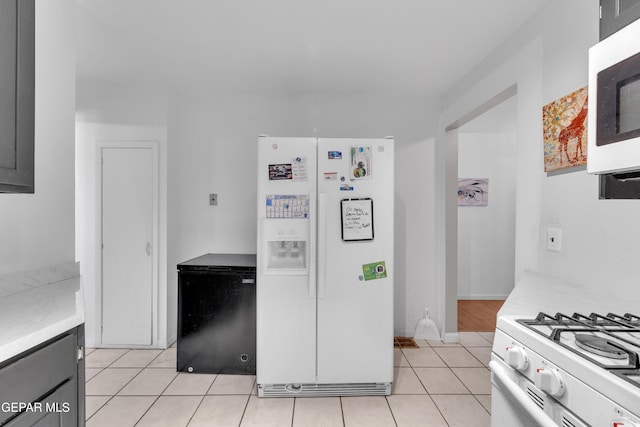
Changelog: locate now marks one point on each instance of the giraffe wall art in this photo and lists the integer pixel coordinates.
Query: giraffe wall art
(565, 131)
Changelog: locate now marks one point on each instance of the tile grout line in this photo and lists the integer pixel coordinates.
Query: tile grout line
(424, 387)
(157, 396)
(206, 393)
(416, 374)
(293, 410)
(483, 365)
(196, 410)
(97, 410)
(135, 376)
(386, 398)
(244, 411)
(147, 410)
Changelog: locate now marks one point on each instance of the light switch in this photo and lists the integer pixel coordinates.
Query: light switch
(554, 239)
(213, 199)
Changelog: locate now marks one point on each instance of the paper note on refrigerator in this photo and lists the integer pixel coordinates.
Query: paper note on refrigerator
(287, 206)
(299, 169)
(357, 219)
(361, 167)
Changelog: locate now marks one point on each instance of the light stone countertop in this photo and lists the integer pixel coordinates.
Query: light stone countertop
(535, 292)
(38, 305)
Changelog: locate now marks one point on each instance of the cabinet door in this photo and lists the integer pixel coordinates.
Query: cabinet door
(616, 14)
(38, 373)
(17, 87)
(50, 379)
(56, 410)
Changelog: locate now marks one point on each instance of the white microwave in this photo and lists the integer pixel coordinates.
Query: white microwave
(614, 103)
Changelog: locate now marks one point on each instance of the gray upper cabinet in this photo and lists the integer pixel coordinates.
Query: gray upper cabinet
(17, 95)
(616, 14)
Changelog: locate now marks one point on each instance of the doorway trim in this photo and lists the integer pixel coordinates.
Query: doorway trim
(451, 210)
(128, 143)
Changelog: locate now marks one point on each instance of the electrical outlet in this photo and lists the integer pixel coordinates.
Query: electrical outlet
(213, 199)
(554, 239)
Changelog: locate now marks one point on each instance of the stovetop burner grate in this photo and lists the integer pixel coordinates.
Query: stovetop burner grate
(612, 342)
(627, 319)
(545, 324)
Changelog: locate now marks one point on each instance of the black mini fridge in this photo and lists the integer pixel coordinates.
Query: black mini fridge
(217, 314)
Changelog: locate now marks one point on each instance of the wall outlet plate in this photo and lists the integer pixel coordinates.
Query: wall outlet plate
(213, 199)
(554, 239)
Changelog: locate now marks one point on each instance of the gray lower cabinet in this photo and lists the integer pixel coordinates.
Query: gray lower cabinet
(616, 14)
(45, 385)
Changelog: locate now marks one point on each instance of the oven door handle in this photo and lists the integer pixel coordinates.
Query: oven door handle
(518, 397)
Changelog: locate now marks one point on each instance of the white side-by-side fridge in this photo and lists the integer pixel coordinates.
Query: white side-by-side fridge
(325, 266)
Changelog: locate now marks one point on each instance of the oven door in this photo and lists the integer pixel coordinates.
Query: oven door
(516, 402)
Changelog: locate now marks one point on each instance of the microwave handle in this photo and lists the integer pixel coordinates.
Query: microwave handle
(518, 397)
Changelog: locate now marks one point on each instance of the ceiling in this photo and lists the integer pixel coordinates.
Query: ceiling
(390, 47)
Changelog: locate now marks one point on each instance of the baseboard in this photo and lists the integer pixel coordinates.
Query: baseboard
(482, 297)
(173, 338)
(451, 337)
(89, 342)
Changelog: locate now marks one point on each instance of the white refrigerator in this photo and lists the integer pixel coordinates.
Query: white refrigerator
(325, 266)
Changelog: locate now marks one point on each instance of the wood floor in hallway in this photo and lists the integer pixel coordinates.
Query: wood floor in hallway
(478, 315)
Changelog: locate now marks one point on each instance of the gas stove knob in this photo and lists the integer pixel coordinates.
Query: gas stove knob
(549, 381)
(516, 357)
(625, 423)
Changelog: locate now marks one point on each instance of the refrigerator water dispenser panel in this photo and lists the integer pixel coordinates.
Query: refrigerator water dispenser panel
(286, 247)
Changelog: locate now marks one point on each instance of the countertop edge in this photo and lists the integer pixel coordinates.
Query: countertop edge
(39, 305)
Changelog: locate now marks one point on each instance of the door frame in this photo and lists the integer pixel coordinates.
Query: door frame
(450, 212)
(124, 144)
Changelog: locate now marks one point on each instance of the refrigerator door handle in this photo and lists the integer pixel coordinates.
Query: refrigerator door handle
(322, 237)
(313, 234)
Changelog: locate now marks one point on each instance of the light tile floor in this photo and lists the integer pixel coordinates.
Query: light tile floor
(436, 385)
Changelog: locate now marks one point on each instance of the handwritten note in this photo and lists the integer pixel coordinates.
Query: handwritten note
(357, 219)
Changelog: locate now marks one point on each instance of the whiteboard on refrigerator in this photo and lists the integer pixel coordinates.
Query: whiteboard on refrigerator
(357, 219)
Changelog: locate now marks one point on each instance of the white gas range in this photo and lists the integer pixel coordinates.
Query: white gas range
(566, 370)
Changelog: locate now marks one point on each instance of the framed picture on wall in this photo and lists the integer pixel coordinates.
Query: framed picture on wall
(473, 191)
(564, 124)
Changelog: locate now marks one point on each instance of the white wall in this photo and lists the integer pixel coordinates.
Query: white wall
(486, 235)
(599, 236)
(37, 230)
(213, 150)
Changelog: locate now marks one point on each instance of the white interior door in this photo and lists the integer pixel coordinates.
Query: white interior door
(127, 246)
